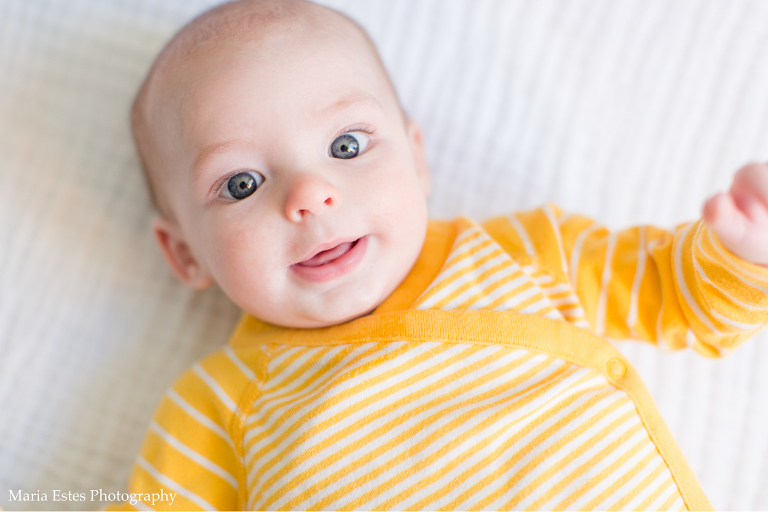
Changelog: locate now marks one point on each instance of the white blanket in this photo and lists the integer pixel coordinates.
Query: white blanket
(632, 112)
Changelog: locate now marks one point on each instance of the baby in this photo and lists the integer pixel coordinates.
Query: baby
(385, 361)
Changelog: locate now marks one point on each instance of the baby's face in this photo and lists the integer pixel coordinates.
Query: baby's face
(297, 184)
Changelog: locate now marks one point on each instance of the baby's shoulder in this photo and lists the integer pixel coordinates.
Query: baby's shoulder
(237, 364)
(217, 384)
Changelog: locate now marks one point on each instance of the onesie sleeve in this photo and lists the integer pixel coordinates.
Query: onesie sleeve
(678, 288)
(191, 446)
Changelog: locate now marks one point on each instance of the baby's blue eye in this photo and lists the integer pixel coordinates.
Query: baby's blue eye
(349, 145)
(243, 184)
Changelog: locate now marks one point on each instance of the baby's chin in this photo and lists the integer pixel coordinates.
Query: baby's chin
(308, 310)
(331, 320)
(325, 317)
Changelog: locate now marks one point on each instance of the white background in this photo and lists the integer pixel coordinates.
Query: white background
(632, 112)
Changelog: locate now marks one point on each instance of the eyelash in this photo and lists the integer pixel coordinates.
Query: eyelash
(365, 128)
(358, 128)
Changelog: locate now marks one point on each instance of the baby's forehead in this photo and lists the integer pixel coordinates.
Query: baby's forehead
(279, 71)
(206, 45)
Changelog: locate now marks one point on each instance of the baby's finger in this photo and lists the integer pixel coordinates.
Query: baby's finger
(752, 180)
(726, 220)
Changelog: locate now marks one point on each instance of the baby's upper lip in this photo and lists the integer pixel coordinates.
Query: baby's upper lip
(326, 246)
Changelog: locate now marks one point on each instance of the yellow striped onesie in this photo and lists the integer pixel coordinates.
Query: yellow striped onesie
(483, 382)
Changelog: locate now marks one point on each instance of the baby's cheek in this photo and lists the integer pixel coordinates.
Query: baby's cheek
(390, 182)
(403, 197)
(402, 219)
(242, 259)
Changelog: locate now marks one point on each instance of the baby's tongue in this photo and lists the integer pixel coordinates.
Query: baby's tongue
(324, 257)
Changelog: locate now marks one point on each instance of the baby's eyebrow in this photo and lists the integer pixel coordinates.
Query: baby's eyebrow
(347, 101)
(207, 153)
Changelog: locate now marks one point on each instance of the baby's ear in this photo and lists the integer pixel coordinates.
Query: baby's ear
(179, 255)
(419, 154)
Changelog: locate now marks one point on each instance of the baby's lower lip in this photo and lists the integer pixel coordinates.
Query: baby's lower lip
(333, 263)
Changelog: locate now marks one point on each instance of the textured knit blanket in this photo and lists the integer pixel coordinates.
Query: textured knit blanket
(631, 112)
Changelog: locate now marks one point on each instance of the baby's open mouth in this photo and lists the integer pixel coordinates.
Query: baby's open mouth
(329, 264)
(329, 255)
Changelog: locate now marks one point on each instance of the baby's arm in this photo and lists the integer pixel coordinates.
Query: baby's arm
(678, 288)
(686, 287)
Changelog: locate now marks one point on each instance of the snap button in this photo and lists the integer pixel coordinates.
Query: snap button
(616, 368)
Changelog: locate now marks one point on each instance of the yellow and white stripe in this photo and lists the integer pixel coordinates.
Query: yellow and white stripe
(469, 426)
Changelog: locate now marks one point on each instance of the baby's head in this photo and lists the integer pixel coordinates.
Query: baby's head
(281, 162)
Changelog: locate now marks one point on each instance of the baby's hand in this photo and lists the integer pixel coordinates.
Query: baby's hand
(739, 217)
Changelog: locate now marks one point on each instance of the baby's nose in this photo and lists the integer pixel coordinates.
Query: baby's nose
(309, 195)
